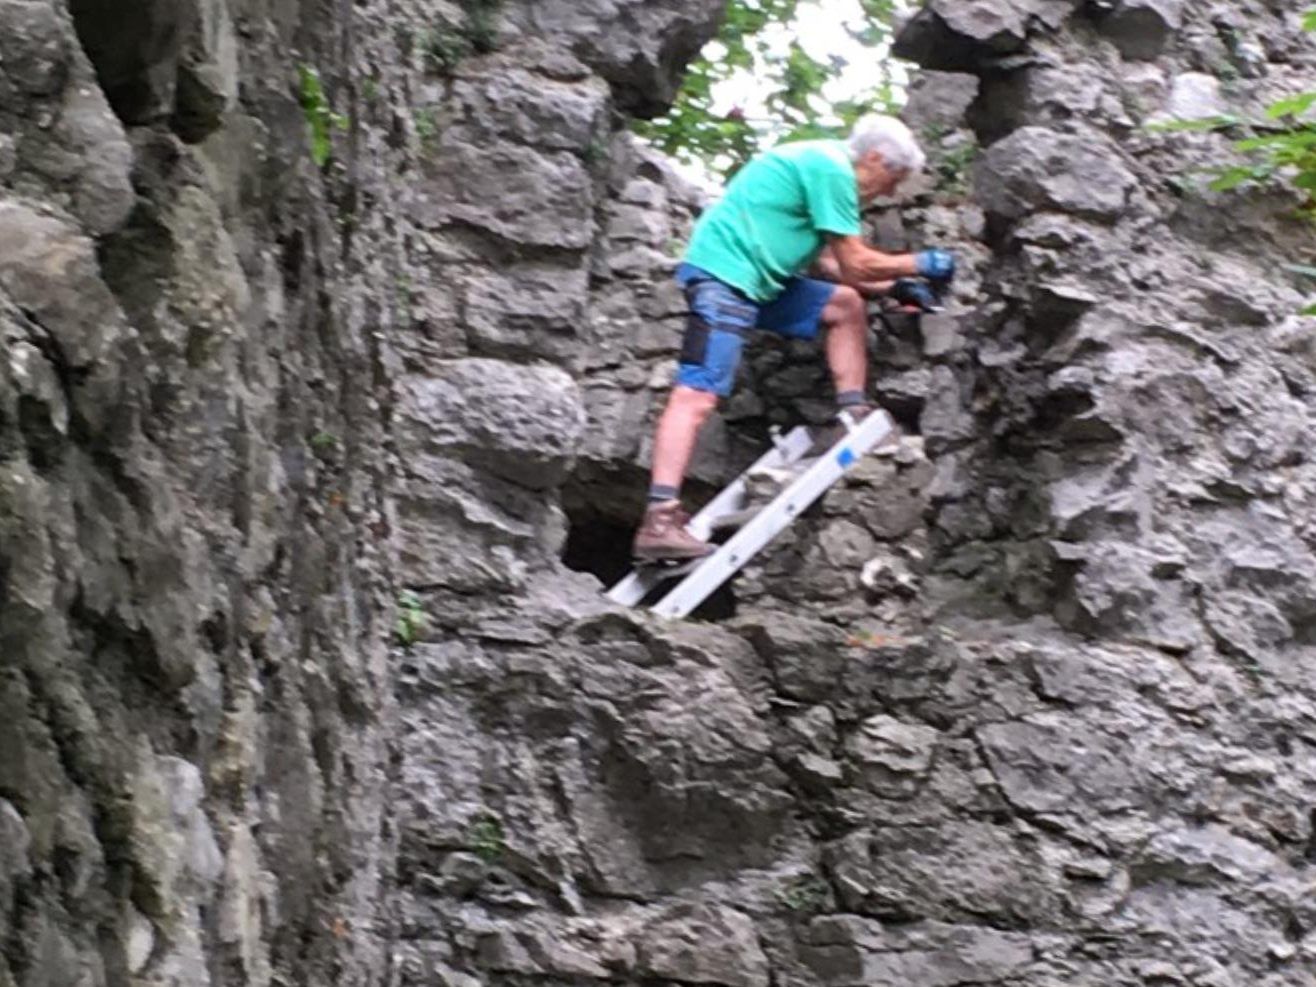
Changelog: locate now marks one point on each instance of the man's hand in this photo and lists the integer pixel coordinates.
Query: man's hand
(915, 295)
(935, 265)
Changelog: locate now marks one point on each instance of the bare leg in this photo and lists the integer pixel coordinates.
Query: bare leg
(678, 428)
(846, 320)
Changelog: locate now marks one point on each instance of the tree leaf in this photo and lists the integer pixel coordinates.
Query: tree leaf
(1230, 178)
(1221, 122)
(1291, 106)
(790, 83)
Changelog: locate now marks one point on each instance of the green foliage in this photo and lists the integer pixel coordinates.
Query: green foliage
(949, 161)
(446, 44)
(427, 124)
(481, 26)
(411, 618)
(808, 895)
(321, 120)
(1280, 147)
(443, 48)
(794, 81)
(1202, 124)
(1306, 271)
(323, 443)
(1283, 145)
(486, 838)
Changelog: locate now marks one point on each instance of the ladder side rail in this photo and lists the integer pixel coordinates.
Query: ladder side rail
(774, 518)
(792, 449)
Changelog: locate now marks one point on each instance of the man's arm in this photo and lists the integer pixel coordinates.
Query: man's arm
(828, 268)
(860, 265)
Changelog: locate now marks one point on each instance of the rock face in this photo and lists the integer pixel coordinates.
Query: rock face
(331, 330)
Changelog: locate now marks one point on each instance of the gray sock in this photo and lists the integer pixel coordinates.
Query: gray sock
(660, 492)
(848, 399)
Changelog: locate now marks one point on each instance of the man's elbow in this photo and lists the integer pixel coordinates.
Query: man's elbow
(851, 273)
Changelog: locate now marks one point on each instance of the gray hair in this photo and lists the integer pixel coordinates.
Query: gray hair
(889, 138)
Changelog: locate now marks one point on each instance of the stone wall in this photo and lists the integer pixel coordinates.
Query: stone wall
(195, 573)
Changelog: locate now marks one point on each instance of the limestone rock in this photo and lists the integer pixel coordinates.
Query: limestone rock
(544, 199)
(1194, 96)
(1140, 28)
(636, 45)
(704, 946)
(1037, 168)
(959, 37)
(849, 951)
(939, 99)
(50, 269)
(207, 81)
(522, 423)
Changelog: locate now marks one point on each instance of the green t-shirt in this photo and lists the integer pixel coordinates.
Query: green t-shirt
(771, 222)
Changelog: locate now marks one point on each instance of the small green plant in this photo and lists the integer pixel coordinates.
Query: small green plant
(1284, 142)
(950, 164)
(807, 895)
(321, 120)
(481, 27)
(1307, 272)
(370, 90)
(596, 151)
(443, 48)
(406, 295)
(411, 618)
(486, 838)
(427, 124)
(1283, 145)
(446, 44)
(323, 443)
(953, 168)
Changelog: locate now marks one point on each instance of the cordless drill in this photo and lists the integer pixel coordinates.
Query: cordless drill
(915, 293)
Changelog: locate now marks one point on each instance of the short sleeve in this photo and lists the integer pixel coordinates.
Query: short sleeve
(832, 195)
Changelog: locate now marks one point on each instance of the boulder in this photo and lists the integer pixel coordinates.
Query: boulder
(1037, 168)
(51, 271)
(1140, 28)
(639, 46)
(954, 36)
(542, 199)
(704, 945)
(522, 423)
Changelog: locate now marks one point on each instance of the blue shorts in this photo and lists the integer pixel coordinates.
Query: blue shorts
(720, 316)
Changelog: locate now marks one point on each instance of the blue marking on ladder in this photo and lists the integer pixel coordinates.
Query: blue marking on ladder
(845, 457)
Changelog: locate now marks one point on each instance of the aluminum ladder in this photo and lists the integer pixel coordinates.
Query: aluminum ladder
(757, 527)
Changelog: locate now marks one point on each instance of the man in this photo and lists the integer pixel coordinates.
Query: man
(787, 209)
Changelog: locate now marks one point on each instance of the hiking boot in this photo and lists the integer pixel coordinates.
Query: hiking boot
(663, 535)
(828, 435)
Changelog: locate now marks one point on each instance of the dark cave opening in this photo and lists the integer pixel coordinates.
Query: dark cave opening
(133, 47)
(601, 545)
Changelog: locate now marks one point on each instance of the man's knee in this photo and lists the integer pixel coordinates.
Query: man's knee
(694, 402)
(845, 305)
